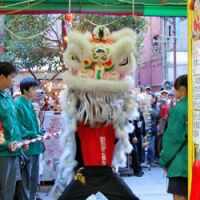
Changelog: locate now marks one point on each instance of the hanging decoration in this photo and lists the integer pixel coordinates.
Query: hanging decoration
(32, 36)
(67, 25)
(107, 24)
(69, 17)
(133, 8)
(163, 2)
(153, 4)
(16, 4)
(23, 9)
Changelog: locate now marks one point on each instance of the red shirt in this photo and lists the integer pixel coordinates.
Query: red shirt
(1, 129)
(164, 112)
(97, 144)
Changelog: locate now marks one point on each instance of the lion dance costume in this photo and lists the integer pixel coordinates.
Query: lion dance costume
(98, 102)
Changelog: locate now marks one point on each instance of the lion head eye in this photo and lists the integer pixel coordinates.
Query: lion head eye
(124, 62)
(75, 58)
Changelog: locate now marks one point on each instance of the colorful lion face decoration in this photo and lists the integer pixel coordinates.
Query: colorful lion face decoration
(102, 59)
(99, 89)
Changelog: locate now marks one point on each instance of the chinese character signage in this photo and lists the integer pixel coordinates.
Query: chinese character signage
(196, 70)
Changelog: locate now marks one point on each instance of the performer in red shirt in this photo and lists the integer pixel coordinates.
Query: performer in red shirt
(98, 102)
(96, 174)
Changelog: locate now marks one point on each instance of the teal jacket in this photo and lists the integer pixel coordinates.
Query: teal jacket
(174, 155)
(8, 118)
(28, 124)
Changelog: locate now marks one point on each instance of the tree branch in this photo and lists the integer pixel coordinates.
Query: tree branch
(32, 73)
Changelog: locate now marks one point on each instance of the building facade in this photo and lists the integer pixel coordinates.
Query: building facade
(164, 55)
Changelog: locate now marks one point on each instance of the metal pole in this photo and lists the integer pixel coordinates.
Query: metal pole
(174, 23)
(164, 51)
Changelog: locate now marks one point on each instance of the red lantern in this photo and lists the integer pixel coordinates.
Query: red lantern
(69, 17)
(163, 1)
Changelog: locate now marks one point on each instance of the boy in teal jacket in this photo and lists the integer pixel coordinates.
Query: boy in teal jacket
(30, 130)
(174, 155)
(9, 160)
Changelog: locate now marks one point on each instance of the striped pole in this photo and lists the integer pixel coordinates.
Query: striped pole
(18, 145)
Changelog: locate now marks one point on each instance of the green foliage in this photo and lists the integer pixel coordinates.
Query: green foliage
(45, 50)
(30, 52)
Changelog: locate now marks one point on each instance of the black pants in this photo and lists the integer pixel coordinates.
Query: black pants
(98, 179)
(136, 164)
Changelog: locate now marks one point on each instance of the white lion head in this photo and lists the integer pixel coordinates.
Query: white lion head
(100, 61)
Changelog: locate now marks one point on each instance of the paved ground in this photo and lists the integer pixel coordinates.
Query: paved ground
(151, 186)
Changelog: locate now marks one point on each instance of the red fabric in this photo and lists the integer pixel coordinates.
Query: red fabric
(21, 12)
(97, 144)
(164, 111)
(195, 191)
(1, 128)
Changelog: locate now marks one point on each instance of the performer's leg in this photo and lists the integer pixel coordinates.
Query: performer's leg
(76, 191)
(117, 189)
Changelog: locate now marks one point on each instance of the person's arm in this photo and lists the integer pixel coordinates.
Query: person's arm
(26, 134)
(174, 137)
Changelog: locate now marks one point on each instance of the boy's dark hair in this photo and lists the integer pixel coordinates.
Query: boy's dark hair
(181, 81)
(27, 83)
(7, 68)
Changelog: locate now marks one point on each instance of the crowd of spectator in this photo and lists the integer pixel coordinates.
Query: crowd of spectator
(149, 127)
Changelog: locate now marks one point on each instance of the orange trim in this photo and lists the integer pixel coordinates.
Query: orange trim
(101, 41)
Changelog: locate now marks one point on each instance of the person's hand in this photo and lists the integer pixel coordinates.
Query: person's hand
(25, 147)
(48, 136)
(165, 169)
(139, 124)
(145, 144)
(2, 139)
(12, 146)
(135, 140)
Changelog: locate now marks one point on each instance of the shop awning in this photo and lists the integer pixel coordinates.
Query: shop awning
(115, 7)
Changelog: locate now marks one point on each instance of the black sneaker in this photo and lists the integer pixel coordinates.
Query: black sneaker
(138, 174)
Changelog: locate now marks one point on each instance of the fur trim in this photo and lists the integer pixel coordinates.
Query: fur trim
(122, 147)
(122, 51)
(67, 160)
(104, 86)
(78, 47)
(117, 35)
(68, 106)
